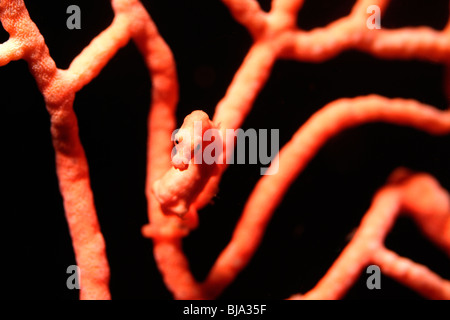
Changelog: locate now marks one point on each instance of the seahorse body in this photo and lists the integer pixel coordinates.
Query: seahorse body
(181, 184)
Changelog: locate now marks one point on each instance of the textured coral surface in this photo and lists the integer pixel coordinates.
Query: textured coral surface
(235, 56)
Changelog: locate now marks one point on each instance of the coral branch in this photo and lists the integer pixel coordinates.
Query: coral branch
(71, 163)
(409, 43)
(58, 88)
(283, 15)
(165, 231)
(275, 36)
(248, 13)
(234, 107)
(247, 83)
(10, 51)
(349, 265)
(293, 158)
(290, 7)
(416, 276)
(89, 63)
(367, 244)
(279, 39)
(359, 10)
(73, 176)
(351, 33)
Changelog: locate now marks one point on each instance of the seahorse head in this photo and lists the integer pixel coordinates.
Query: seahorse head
(188, 140)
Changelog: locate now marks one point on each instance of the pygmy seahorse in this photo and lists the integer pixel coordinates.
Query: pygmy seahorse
(182, 183)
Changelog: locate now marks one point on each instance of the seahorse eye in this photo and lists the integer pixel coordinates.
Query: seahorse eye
(178, 140)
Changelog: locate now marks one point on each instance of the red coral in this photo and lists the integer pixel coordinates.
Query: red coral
(275, 36)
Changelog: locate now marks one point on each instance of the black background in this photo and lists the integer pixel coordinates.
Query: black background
(321, 209)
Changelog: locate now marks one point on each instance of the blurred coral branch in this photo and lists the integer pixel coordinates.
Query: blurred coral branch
(275, 36)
